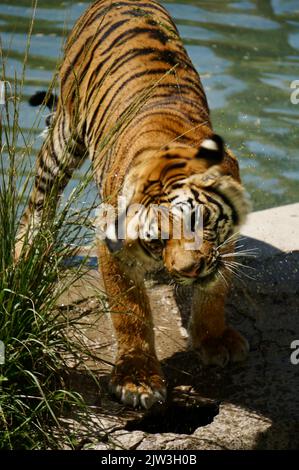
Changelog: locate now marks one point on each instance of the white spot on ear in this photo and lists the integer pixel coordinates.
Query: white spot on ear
(210, 144)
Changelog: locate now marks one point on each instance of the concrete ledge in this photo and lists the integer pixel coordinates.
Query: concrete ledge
(277, 228)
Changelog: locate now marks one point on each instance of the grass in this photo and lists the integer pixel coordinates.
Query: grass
(33, 386)
(33, 391)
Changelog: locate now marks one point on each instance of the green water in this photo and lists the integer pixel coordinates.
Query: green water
(246, 53)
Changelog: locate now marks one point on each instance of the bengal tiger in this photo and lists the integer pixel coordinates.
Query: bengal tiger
(131, 100)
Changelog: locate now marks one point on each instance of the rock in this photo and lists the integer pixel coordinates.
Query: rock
(127, 440)
(234, 428)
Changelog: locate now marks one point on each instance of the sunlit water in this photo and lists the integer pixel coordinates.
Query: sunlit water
(246, 53)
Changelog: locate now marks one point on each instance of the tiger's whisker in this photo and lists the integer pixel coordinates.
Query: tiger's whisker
(229, 239)
(238, 255)
(237, 272)
(222, 277)
(236, 263)
(255, 250)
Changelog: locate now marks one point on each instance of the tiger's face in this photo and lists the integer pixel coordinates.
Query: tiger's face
(188, 207)
(211, 225)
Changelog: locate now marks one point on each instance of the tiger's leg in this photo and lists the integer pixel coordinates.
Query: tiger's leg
(60, 154)
(216, 342)
(137, 377)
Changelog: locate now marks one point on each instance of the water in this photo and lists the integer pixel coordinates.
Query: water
(246, 53)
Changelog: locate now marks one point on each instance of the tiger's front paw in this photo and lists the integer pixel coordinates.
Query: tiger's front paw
(230, 347)
(137, 381)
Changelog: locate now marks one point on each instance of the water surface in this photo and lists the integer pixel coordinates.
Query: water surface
(246, 52)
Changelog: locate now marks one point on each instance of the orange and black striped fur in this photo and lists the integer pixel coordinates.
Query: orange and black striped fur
(131, 100)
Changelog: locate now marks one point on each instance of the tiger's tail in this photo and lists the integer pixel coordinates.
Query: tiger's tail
(44, 97)
(50, 101)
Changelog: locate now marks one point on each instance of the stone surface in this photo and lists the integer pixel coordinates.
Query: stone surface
(278, 228)
(259, 400)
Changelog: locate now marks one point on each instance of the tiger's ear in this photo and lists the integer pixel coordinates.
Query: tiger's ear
(212, 149)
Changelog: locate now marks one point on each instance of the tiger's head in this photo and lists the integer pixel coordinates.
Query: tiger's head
(185, 205)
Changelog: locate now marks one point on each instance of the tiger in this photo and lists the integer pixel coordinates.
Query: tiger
(131, 101)
(50, 101)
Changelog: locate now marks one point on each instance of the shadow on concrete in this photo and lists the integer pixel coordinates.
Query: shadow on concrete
(265, 310)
